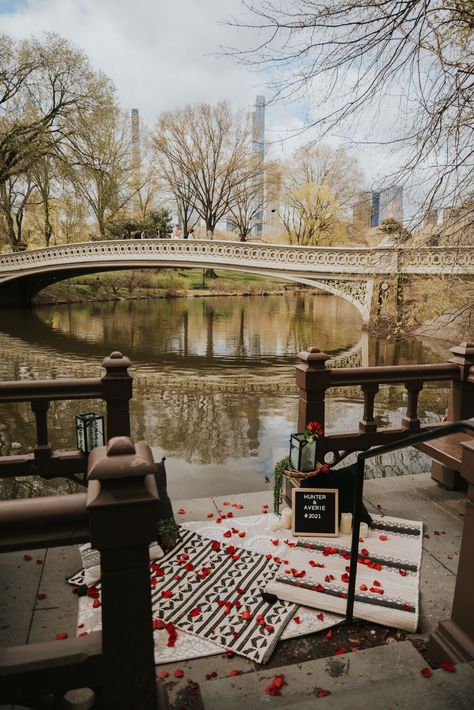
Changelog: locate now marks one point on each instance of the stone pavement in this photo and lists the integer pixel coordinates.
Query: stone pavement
(26, 619)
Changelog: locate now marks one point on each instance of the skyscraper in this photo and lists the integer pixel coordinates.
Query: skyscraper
(135, 120)
(258, 147)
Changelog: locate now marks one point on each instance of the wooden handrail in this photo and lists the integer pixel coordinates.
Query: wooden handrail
(394, 374)
(49, 521)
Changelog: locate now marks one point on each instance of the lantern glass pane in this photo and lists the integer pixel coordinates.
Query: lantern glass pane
(308, 456)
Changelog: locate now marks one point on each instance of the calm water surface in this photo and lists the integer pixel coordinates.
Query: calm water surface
(214, 384)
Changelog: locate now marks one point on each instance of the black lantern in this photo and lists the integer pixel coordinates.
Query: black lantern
(302, 453)
(89, 431)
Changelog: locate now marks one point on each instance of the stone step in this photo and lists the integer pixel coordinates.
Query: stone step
(443, 691)
(380, 665)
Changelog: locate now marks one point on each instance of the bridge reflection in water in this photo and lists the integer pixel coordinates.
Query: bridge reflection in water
(214, 385)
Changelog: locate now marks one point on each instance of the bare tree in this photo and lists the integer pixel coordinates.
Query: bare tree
(363, 59)
(42, 81)
(15, 194)
(97, 157)
(202, 150)
(252, 195)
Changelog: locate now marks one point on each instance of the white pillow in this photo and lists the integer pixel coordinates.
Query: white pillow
(91, 561)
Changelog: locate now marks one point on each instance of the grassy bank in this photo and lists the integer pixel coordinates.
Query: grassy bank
(162, 283)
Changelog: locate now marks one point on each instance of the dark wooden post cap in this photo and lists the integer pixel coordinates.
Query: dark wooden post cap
(116, 364)
(464, 352)
(121, 458)
(122, 498)
(313, 357)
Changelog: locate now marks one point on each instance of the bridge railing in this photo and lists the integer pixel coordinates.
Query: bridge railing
(114, 388)
(119, 516)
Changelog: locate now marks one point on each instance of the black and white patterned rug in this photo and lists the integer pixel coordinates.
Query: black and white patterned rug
(213, 590)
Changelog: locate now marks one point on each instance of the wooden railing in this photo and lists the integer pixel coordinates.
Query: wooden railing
(314, 380)
(453, 455)
(119, 516)
(118, 663)
(115, 388)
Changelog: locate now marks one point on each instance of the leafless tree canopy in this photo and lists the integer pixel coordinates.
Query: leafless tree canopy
(203, 152)
(360, 58)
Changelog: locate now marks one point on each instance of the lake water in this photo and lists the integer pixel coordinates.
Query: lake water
(214, 387)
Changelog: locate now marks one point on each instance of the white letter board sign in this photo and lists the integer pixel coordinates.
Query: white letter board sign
(315, 512)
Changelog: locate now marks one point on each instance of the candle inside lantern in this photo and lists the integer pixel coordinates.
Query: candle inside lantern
(285, 520)
(363, 530)
(346, 523)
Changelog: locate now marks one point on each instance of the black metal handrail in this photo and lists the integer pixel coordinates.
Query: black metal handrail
(444, 430)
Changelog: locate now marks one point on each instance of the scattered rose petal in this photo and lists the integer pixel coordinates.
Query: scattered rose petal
(215, 545)
(158, 625)
(195, 612)
(61, 637)
(164, 674)
(230, 514)
(275, 542)
(228, 533)
(181, 511)
(41, 596)
(242, 533)
(330, 634)
(39, 562)
(376, 583)
(363, 587)
(189, 566)
(426, 672)
(27, 558)
(178, 673)
(235, 673)
(166, 595)
(339, 651)
(448, 666)
(297, 619)
(210, 515)
(246, 615)
(321, 693)
(320, 616)
(364, 551)
(96, 603)
(403, 572)
(383, 538)
(218, 520)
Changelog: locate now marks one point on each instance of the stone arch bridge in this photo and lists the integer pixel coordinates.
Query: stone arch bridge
(362, 276)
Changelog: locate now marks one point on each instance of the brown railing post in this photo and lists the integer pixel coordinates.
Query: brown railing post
(312, 379)
(117, 392)
(460, 407)
(453, 640)
(122, 501)
(40, 407)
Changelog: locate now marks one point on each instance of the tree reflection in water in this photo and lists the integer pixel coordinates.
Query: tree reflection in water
(214, 378)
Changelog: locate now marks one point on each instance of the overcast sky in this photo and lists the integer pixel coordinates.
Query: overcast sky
(163, 54)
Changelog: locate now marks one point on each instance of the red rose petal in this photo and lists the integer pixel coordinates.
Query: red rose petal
(383, 537)
(448, 666)
(164, 674)
(297, 619)
(235, 673)
(39, 562)
(61, 637)
(181, 511)
(376, 583)
(27, 558)
(403, 572)
(215, 545)
(41, 596)
(195, 612)
(228, 533)
(320, 616)
(269, 628)
(330, 634)
(279, 681)
(242, 533)
(364, 551)
(321, 693)
(178, 673)
(189, 566)
(275, 542)
(96, 603)
(210, 515)
(363, 587)
(166, 595)
(339, 651)
(230, 514)
(246, 615)
(158, 625)
(218, 520)
(426, 672)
